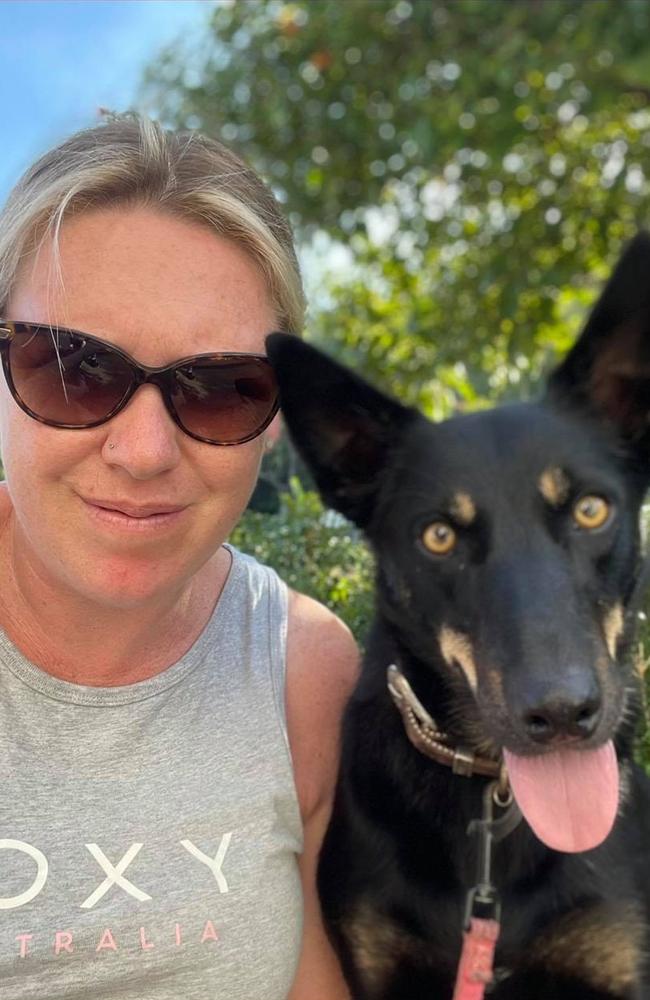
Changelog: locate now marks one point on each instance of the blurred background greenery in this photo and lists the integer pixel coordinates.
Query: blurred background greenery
(461, 174)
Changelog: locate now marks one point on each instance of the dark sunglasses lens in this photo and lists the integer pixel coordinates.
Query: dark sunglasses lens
(65, 378)
(225, 401)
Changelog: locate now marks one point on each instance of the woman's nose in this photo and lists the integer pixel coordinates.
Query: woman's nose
(143, 438)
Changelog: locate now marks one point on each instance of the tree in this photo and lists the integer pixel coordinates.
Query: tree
(481, 162)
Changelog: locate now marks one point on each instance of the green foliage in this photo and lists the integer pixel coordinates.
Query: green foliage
(315, 552)
(643, 746)
(480, 161)
(338, 99)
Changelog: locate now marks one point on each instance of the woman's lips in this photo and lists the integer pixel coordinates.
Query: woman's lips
(136, 510)
(141, 517)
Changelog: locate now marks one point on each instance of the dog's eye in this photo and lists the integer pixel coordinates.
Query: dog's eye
(591, 512)
(439, 538)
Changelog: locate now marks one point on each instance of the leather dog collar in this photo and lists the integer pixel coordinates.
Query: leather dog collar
(424, 734)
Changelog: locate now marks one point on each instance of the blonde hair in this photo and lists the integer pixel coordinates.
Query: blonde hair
(132, 160)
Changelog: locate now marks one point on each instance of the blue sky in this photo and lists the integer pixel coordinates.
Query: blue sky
(61, 61)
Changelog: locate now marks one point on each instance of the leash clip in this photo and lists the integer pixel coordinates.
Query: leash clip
(483, 899)
(481, 923)
(482, 903)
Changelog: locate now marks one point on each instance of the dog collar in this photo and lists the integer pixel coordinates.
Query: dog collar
(424, 734)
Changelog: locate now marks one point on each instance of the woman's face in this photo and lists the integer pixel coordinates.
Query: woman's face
(161, 288)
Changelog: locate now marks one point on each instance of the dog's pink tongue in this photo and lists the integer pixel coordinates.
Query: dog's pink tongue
(568, 797)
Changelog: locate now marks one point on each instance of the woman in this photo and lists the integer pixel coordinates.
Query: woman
(154, 800)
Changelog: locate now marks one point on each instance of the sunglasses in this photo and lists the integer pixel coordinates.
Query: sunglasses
(65, 378)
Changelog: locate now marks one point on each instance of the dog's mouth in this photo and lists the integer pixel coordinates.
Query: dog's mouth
(566, 786)
(569, 797)
(567, 790)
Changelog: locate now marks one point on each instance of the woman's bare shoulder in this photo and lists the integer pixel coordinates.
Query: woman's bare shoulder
(5, 504)
(322, 669)
(322, 653)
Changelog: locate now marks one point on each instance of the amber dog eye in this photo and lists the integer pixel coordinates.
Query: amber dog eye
(591, 512)
(439, 538)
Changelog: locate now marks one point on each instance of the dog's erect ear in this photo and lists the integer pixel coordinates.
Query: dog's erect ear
(608, 369)
(341, 425)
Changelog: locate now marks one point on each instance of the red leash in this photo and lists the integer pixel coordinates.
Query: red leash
(476, 965)
(483, 909)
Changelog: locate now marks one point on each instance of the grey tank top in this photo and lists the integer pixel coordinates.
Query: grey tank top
(149, 832)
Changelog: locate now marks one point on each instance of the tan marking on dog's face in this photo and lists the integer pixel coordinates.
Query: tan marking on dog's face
(471, 724)
(554, 486)
(613, 624)
(463, 508)
(602, 947)
(456, 648)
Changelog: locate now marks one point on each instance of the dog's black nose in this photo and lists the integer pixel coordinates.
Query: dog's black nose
(561, 718)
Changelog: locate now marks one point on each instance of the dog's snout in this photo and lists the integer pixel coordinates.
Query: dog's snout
(569, 713)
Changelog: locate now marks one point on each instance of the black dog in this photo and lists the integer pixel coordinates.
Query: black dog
(508, 566)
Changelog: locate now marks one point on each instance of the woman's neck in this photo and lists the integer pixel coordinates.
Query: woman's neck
(87, 642)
